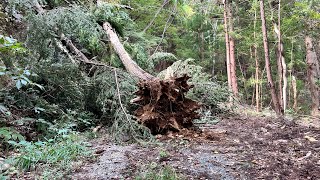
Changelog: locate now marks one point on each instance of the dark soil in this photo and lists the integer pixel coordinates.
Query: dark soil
(235, 148)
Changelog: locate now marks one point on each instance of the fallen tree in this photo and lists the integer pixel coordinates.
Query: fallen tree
(163, 105)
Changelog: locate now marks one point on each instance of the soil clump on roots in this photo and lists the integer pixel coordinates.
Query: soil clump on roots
(164, 106)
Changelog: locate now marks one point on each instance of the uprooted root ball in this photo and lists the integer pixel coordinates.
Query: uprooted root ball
(164, 106)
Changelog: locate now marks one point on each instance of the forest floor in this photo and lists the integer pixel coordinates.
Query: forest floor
(237, 147)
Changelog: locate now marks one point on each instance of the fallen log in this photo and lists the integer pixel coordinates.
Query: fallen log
(163, 105)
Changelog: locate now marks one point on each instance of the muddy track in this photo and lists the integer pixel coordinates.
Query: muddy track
(235, 148)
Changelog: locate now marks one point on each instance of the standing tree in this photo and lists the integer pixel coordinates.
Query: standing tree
(274, 96)
(313, 75)
(232, 51)
(282, 67)
(227, 44)
(256, 61)
(230, 48)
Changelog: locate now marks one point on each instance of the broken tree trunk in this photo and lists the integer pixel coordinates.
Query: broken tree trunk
(163, 105)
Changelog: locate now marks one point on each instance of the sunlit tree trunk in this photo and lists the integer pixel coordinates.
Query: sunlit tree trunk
(227, 44)
(131, 66)
(279, 67)
(233, 72)
(257, 63)
(313, 75)
(201, 37)
(275, 99)
(282, 63)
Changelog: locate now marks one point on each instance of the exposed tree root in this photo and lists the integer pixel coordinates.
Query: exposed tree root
(164, 106)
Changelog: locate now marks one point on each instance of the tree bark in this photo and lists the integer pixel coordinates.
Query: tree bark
(232, 52)
(227, 44)
(294, 91)
(275, 99)
(279, 67)
(313, 75)
(282, 62)
(130, 65)
(257, 64)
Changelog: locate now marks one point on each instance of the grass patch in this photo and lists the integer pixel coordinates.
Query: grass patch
(52, 158)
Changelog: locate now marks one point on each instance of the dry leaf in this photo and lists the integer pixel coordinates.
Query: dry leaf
(311, 139)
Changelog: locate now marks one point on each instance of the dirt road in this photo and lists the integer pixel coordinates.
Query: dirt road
(235, 148)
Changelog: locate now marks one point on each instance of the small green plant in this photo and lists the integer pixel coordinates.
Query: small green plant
(8, 134)
(163, 154)
(160, 173)
(9, 47)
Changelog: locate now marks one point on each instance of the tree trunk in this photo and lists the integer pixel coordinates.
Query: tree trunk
(257, 63)
(313, 76)
(202, 45)
(201, 37)
(275, 99)
(227, 44)
(129, 64)
(282, 62)
(163, 105)
(233, 72)
(294, 91)
(279, 67)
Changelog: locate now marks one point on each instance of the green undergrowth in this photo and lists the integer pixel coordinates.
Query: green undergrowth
(51, 158)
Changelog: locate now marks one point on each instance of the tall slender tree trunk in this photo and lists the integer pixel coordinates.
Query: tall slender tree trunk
(282, 62)
(227, 44)
(279, 67)
(313, 75)
(201, 37)
(257, 63)
(232, 52)
(294, 91)
(275, 99)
